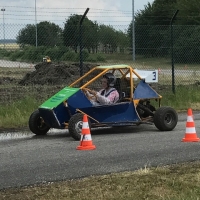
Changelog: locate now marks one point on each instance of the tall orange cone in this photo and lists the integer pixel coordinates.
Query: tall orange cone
(86, 139)
(190, 133)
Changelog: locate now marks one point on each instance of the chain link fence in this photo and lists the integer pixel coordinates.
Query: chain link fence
(22, 56)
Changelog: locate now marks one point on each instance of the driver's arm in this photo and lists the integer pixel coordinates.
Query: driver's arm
(90, 96)
(112, 98)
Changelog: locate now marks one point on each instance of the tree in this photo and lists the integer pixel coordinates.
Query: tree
(26, 36)
(122, 40)
(189, 12)
(71, 33)
(187, 45)
(158, 13)
(48, 34)
(108, 37)
(91, 36)
(152, 28)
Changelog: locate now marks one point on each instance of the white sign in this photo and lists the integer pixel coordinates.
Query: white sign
(150, 76)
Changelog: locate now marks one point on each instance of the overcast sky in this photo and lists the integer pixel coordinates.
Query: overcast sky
(18, 13)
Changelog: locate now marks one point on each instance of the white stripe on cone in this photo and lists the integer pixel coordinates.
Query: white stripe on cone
(191, 130)
(85, 125)
(86, 137)
(190, 119)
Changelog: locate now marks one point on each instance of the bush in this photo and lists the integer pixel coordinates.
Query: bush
(4, 53)
(62, 50)
(85, 55)
(56, 53)
(33, 54)
(92, 58)
(69, 56)
(16, 55)
(96, 58)
(101, 58)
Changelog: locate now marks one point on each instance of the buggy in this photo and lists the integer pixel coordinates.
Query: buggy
(138, 104)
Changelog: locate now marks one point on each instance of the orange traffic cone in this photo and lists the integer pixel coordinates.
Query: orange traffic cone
(86, 139)
(190, 135)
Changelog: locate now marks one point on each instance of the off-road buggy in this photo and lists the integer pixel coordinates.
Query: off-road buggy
(138, 104)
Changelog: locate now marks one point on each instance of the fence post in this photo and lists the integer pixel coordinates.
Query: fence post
(81, 46)
(172, 50)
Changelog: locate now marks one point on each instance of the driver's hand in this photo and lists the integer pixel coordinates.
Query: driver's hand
(93, 92)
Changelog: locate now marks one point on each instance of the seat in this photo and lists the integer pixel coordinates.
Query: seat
(117, 86)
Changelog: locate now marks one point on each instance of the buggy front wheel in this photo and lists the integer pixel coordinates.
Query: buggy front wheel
(37, 124)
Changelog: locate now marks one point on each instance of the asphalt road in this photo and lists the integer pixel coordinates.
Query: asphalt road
(30, 159)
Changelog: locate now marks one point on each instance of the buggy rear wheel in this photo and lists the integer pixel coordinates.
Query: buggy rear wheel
(165, 118)
(37, 124)
(75, 125)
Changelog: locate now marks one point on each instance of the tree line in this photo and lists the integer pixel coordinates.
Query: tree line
(51, 35)
(152, 32)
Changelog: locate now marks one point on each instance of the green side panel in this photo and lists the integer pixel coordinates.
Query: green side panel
(59, 97)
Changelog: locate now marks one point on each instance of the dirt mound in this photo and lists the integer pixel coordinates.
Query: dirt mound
(54, 74)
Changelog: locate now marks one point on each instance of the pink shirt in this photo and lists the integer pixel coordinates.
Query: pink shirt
(109, 97)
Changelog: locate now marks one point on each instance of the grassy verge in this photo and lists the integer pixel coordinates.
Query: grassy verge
(184, 98)
(16, 113)
(170, 182)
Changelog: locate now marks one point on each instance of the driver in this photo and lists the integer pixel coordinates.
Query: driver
(108, 94)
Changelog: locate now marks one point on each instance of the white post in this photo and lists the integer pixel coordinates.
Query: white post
(36, 26)
(3, 10)
(133, 30)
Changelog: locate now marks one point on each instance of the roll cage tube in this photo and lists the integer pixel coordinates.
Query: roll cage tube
(95, 78)
(129, 70)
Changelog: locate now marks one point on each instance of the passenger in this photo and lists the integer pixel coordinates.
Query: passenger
(108, 94)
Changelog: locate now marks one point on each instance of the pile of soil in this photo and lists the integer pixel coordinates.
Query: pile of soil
(54, 74)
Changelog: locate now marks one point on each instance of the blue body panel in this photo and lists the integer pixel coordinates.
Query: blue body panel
(121, 112)
(78, 100)
(114, 114)
(50, 118)
(56, 117)
(144, 91)
(60, 114)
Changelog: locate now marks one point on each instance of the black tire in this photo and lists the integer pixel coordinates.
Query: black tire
(37, 124)
(165, 118)
(75, 125)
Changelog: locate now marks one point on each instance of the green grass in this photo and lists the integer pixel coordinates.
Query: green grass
(184, 97)
(16, 114)
(175, 182)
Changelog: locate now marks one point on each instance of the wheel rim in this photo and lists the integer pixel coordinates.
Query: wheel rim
(78, 127)
(40, 123)
(169, 118)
